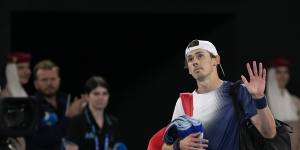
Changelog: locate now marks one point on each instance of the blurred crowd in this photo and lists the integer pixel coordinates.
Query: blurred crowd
(63, 122)
(82, 122)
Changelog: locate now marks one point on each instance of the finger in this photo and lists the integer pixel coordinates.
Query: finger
(249, 70)
(204, 141)
(85, 96)
(76, 98)
(204, 145)
(254, 68)
(19, 140)
(195, 145)
(195, 140)
(195, 135)
(193, 148)
(13, 142)
(198, 145)
(83, 104)
(264, 74)
(244, 80)
(260, 70)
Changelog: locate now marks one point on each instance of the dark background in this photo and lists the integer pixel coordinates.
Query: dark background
(138, 46)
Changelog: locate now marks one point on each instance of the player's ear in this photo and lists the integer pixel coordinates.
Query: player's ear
(217, 60)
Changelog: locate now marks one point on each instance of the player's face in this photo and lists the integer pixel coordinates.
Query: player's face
(200, 64)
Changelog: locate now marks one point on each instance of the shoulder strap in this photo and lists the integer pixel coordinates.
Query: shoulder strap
(234, 87)
(187, 103)
(187, 100)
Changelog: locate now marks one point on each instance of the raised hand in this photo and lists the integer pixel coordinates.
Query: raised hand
(257, 84)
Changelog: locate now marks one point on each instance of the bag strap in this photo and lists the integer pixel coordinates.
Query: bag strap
(286, 128)
(234, 87)
(187, 103)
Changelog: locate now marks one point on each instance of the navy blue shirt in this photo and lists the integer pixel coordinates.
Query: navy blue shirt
(51, 127)
(216, 111)
(80, 131)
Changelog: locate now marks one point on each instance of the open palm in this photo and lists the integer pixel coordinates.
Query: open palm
(257, 84)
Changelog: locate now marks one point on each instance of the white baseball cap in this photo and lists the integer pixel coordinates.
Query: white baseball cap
(201, 44)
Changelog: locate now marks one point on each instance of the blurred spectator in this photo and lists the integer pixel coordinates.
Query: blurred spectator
(94, 128)
(17, 73)
(52, 107)
(284, 105)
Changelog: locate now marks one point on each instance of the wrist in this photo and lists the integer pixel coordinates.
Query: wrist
(258, 96)
(261, 103)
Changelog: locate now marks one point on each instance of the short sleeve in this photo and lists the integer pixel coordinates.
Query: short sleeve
(178, 111)
(247, 103)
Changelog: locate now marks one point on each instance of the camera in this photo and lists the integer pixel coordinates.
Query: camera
(18, 118)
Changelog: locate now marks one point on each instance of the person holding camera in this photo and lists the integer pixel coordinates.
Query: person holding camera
(17, 72)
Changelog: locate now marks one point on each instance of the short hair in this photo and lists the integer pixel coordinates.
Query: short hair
(94, 82)
(44, 64)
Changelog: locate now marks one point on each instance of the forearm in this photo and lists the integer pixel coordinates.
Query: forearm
(264, 122)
